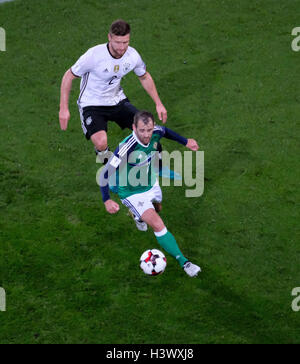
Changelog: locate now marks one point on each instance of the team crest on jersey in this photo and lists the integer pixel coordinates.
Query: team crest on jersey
(116, 68)
(155, 145)
(89, 120)
(126, 67)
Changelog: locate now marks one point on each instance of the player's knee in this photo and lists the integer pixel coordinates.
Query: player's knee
(100, 140)
(153, 219)
(158, 225)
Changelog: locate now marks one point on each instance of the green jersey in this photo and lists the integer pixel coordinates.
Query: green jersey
(134, 166)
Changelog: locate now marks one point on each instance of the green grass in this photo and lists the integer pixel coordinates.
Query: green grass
(228, 77)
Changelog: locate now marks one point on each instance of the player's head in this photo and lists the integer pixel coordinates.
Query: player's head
(119, 27)
(143, 126)
(119, 37)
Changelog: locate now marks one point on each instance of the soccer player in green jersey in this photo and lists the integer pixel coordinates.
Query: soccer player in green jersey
(138, 187)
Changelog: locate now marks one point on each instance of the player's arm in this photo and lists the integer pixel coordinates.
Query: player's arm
(110, 168)
(172, 135)
(65, 89)
(149, 85)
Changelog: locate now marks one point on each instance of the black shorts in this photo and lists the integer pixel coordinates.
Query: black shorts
(95, 118)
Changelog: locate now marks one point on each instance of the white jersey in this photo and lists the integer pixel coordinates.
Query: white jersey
(101, 75)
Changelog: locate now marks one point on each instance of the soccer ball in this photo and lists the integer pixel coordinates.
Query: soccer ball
(153, 262)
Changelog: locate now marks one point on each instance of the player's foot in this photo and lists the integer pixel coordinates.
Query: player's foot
(141, 225)
(191, 269)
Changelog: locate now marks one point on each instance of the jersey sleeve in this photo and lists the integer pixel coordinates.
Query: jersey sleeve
(169, 134)
(140, 68)
(84, 64)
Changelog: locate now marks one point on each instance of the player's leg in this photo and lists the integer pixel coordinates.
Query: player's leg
(140, 202)
(94, 125)
(165, 239)
(163, 236)
(99, 140)
(124, 114)
(142, 208)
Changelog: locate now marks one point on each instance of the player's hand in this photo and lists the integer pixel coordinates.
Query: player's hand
(64, 117)
(192, 145)
(162, 113)
(111, 206)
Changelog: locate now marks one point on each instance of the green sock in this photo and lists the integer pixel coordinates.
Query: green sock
(168, 242)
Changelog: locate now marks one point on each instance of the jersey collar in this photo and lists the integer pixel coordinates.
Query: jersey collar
(107, 46)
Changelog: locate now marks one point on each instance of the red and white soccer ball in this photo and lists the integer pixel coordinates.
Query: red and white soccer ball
(153, 262)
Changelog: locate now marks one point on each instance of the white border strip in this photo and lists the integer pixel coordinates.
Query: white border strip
(5, 1)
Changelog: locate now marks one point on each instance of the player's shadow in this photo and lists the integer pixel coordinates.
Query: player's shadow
(247, 318)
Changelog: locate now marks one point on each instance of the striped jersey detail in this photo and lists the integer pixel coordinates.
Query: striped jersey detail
(84, 84)
(126, 147)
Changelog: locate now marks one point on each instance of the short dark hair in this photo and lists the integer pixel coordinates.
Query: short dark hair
(144, 116)
(119, 27)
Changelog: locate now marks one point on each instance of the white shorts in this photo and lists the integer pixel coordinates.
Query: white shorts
(142, 202)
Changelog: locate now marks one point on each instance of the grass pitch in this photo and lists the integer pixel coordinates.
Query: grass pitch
(227, 75)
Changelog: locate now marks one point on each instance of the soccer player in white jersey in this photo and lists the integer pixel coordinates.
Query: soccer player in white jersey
(134, 156)
(101, 97)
